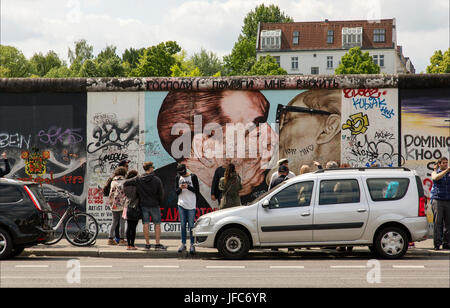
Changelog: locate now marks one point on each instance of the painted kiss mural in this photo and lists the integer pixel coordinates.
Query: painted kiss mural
(76, 140)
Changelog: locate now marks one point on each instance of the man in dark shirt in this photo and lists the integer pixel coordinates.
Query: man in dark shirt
(7, 167)
(283, 173)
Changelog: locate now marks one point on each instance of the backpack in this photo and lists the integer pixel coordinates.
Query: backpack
(117, 198)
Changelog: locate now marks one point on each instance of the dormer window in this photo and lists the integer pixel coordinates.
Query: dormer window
(351, 37)
(271, 39)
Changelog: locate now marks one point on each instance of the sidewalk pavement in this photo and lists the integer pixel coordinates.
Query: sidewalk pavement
(102, 250)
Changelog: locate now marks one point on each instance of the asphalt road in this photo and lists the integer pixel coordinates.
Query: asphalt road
(286, 271)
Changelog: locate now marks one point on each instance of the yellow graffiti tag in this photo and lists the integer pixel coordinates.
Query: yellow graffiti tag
(357, 123)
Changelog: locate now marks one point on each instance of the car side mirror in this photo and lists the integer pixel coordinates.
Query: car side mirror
(265, 204)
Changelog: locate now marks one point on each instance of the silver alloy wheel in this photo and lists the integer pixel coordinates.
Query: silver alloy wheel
(2, 243)
(392, 243)
(233, 243)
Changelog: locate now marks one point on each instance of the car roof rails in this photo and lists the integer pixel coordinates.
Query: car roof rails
(361, 169)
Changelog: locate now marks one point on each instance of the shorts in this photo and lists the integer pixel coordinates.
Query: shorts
(153, 212)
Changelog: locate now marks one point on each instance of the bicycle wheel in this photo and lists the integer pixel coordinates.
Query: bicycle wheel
(59, 232)
(81, 229)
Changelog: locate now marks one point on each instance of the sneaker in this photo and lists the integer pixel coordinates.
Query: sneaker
(147, 247)
(111, 242)
(182, 248)
(117, 240)
(192, 250)
(122, 243)
(160, 247)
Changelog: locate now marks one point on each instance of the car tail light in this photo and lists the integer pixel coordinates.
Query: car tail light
(422, 203)
(33, 198)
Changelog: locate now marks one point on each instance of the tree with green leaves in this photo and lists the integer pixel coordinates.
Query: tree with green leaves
(208, 63)
(41, 64)
(184, 67)
(13, 63)
(357, 62)
(243, 55)
(108, 63)
(262, 13)
(157, 60)
(267, 65)
(83, 52)
(439, 63)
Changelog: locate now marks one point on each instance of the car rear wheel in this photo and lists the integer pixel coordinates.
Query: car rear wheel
(6, 244)
(233, 244)
(391, 243)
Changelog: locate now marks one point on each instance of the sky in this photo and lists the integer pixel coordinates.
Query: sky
(40, 26)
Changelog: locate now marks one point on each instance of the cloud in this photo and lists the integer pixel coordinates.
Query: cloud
(39, 26)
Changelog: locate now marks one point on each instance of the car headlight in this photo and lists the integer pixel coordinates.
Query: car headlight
(203, 222)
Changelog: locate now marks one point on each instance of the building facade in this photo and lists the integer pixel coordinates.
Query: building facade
(310, 48)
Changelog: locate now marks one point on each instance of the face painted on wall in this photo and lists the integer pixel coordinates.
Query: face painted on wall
(241, 117)
(311, 133)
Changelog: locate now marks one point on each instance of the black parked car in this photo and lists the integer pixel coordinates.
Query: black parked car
(25, 217)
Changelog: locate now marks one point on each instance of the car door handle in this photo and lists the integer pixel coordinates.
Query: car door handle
(361, 210)
(306, 214)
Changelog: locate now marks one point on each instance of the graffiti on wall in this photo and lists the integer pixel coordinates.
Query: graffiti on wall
(370, 127)
(45, 148)
(425, 132)
(112, 136)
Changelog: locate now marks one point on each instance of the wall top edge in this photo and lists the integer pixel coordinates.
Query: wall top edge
(402, 81)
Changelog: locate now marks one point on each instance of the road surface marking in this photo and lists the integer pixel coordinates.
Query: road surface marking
(222, 267)
(161, 266)
(96, 266)
(286, 267)
(408, 266)
(348, 266)
(31, 266)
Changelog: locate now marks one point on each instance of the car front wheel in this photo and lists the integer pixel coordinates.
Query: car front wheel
(391, 243)
(233, 244)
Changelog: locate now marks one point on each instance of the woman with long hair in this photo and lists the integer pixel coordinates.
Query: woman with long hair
(230, 185)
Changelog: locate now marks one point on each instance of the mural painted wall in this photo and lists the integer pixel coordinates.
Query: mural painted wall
(76, 140)
(425, 136)
(113, 128)
(370, 127)
(44, 136)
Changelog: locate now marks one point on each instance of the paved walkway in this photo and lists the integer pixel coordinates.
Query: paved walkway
(102, 250)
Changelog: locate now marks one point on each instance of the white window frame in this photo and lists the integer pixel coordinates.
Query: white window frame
(294, 63)
(329, 62)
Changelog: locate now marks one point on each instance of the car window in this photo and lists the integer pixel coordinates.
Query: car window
(295, 195)
(387, 188)
(10, 194)
(339, 191)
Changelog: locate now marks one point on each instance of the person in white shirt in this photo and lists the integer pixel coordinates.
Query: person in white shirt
(187, 189)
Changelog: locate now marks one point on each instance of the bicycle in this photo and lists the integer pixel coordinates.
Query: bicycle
(79, 228)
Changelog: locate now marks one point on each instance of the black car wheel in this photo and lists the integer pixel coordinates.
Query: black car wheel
(233, 244)
(6, 244)
(391, 243)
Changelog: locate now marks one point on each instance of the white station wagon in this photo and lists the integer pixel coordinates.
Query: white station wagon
(382, 208)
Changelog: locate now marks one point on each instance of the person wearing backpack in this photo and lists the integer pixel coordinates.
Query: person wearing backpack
(187, 189)
(117, 201)
(132, 210)
(150, 190)
(107, 189)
